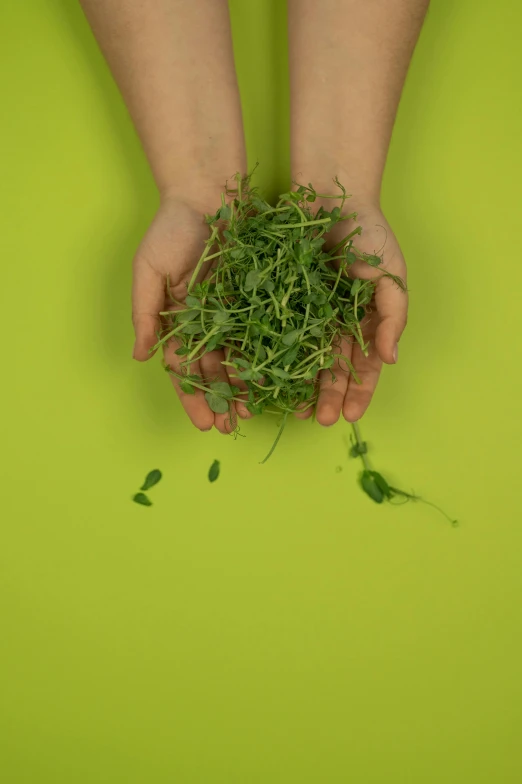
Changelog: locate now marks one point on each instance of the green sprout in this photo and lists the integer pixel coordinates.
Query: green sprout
(375, 485)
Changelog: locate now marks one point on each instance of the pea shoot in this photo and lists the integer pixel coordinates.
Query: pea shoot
(375, 485)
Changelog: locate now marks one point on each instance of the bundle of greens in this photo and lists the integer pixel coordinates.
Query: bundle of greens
(275, 300)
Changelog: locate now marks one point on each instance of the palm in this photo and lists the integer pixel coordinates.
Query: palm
(166, 259)
(381, 328)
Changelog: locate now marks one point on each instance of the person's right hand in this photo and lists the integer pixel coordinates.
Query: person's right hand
(170, 250)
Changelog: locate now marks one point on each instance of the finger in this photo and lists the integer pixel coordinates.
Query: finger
(392, 306)
(304, 411)
(213, 370)
(195, 405)
(332, 389)
(358, 396)
(241, 408)
(148, 297)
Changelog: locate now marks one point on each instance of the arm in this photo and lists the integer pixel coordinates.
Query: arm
(348, 63)
(173, 63)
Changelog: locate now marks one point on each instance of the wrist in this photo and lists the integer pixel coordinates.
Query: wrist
(202, 193)
(363, 189)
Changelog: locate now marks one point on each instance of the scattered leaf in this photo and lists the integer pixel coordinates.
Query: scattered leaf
(152, 478)
(213, 472)
(141, 498)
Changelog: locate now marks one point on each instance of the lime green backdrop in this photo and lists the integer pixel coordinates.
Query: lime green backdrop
(275, 627)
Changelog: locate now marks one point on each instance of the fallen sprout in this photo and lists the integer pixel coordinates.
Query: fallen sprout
(375, 485)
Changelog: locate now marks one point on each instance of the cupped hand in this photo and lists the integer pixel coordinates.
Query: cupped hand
(169, 252)
(382, 328)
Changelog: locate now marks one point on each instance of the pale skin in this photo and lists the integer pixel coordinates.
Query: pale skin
(173, 63)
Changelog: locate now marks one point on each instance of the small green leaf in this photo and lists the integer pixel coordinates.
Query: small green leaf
(371, 488)
(216, 404)
(317, 332)
(373, 261)
(291, 337)
(291, 355)
(213, 342)
(191, 329)
(192, 302)
(152, 478)
(141, 498)
(213, 472)
(182, 351)
(252, 280)
(220, 316)
(356, 285)
(279, 373)
(221, 388)
(187, 388)
(187, 315)
(327, 310)
(260, 205)
(244, 363)
(307, 391)
(312, 372)
(225, 213)
(382, 484)
(269, 285)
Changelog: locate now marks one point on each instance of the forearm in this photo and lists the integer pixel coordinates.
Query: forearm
(173, 63)
(348, 63)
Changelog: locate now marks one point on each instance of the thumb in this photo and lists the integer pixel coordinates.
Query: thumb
(392, 307)
(148, 299)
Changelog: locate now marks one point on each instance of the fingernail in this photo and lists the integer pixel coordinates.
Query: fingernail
(205, 429)
(396, 353)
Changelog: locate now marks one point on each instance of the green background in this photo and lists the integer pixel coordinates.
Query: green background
(275, 627)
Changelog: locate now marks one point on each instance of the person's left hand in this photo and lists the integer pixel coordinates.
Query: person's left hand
(382, 328)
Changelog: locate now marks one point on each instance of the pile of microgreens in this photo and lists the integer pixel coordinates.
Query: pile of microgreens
(275, 300)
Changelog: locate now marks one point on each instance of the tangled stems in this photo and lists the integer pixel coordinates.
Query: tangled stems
(275, 301)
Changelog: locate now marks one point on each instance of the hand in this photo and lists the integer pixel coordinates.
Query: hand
(170, 250)
(382, 328)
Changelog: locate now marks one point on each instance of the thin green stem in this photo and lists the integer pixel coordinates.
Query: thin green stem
(203, 258)
(280, 433)
(360, 443)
